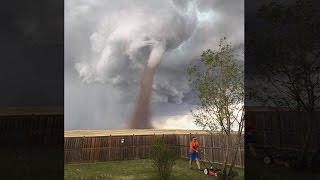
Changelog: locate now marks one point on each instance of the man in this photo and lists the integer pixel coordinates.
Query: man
(193, 152)
(249, 131)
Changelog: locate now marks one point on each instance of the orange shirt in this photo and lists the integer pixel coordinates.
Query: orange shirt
(193, 146)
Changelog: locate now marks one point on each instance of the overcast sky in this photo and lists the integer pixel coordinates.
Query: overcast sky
(104, 56)
(31, 41)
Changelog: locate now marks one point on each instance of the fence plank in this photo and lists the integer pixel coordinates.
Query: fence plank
(110, 150)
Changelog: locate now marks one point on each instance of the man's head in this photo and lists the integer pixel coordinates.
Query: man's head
(194, 138)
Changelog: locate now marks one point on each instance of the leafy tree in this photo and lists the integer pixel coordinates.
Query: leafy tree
(218, 81)
(288, 77)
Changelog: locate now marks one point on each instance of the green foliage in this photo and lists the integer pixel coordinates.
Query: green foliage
(163, 157)
(218, 82)
(288, 76)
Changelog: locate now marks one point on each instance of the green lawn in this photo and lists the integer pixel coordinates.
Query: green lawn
(133, 169)
(258, 170)
(33, 164)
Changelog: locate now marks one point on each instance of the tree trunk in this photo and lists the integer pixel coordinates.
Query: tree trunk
(235, 154)
(226, 156)
(306, 146)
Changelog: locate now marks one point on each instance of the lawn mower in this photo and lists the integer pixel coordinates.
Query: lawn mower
(277, 158)
(212, 170)
(274, 156)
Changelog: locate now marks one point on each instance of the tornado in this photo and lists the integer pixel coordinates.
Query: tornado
(119, 50)
(141, 116)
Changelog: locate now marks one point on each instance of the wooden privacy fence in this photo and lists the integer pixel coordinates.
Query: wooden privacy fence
(105, 148)
(285, 130)
(31, 130)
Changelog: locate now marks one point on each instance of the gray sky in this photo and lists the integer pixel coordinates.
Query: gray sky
(105, 53)
(31, 40)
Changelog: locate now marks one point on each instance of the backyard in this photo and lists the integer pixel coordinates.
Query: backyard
(256, 169)
(133, 169)
(31, 163)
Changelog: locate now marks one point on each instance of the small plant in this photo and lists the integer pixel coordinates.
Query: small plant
(163, 157)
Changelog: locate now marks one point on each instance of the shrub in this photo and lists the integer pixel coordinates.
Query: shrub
(163, 157)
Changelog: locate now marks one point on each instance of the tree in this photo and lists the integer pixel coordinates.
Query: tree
(218, 82)
(288, 77)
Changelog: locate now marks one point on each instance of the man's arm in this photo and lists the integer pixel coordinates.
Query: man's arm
(198, 147)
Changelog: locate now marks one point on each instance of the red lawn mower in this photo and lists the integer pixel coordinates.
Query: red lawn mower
(212, 170)
(275, 156)
(278, 158)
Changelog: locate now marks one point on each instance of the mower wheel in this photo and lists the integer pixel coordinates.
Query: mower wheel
(206, 171)
(267, 160)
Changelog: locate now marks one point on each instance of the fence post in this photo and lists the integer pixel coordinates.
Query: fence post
(80, 148)
(121, 149)
(136, 147)
(211, 147)
(110, 147)
(133, 149)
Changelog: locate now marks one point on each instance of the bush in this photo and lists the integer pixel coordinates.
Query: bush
(163, 157)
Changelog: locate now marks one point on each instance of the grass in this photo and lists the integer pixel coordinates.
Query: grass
(258, 170)
(26, 163)
(133, 169)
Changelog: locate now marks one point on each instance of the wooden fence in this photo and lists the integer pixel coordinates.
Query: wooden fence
(285, 130)
(31, 130)
(105, 148)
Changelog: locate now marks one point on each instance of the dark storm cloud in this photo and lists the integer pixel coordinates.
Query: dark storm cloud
(86, 33)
